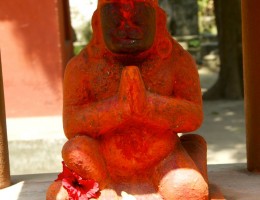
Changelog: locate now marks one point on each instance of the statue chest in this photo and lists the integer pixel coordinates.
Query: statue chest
(104, 82)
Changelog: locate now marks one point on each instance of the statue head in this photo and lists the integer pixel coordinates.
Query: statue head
(128, 26)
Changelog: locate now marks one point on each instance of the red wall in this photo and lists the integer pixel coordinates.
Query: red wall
(34, 51)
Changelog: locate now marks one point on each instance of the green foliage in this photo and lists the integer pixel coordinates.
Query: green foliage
(87, 35)
(202, 4)
(194, 43)
(77, 49)
(88, 32)
(206, 14)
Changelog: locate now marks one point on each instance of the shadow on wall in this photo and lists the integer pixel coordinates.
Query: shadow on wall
(31, 54)
(29, 30)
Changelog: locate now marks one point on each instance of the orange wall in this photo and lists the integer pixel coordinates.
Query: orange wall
(32, 43)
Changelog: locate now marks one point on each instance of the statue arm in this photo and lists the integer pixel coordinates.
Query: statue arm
(93, 119)
(82, 113)
(181, 112)
(179, 115)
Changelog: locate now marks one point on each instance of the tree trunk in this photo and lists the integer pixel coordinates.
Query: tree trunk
(230, 81)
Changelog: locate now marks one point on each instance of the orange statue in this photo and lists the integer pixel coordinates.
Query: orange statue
(126, 96)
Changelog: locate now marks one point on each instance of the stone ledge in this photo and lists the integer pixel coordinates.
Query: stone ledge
(234, 181)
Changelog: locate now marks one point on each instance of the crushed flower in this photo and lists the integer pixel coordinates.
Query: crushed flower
(77, 187)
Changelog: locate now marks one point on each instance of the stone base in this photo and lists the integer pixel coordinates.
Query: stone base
(233, 180)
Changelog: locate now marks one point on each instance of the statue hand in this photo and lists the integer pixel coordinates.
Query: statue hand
(132, 91)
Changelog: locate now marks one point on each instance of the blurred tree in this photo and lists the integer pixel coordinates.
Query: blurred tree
(207, 22)
(230, 81)
(182, 16)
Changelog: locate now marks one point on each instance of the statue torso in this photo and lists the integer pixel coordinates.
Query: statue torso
(138, 143)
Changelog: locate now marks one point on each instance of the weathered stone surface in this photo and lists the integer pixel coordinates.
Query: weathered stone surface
(127, 95)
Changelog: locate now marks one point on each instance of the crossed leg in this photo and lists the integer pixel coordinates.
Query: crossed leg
(178, 176)
(182, 175)
(82, 155)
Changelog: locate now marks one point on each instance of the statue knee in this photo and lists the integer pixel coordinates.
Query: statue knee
(196, 146)
(183, 184)
(81, 154)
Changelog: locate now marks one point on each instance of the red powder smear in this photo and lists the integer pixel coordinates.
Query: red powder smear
(126, 14)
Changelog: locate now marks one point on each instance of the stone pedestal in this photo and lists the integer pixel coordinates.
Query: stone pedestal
(232, 180)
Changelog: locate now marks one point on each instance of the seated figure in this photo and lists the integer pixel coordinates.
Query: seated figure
(127, 95)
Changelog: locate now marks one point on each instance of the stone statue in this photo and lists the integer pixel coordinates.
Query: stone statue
(127, 95)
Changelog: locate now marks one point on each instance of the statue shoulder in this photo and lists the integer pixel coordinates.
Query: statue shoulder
(180, 55)
(78, 63)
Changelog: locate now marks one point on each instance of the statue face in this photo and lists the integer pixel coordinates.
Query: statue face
(128, 27)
